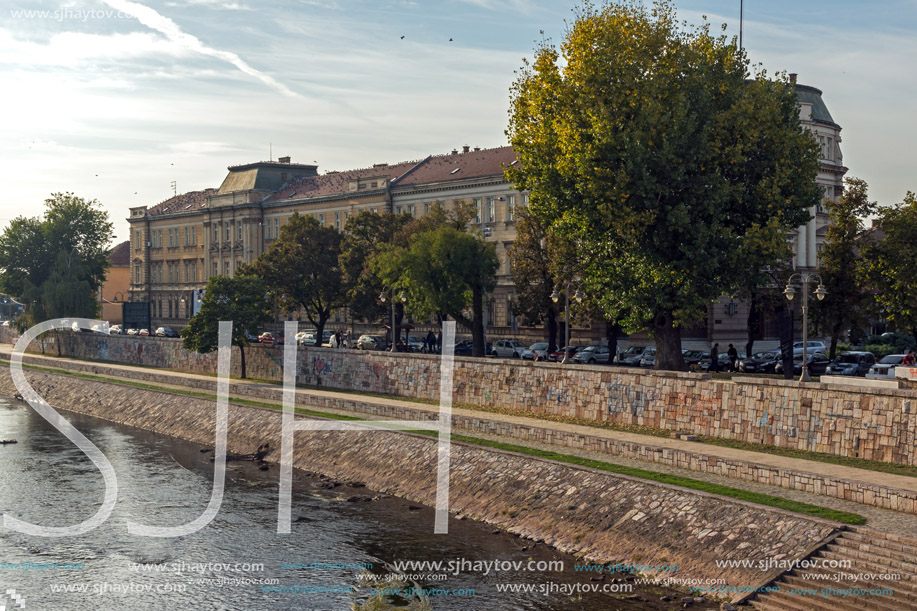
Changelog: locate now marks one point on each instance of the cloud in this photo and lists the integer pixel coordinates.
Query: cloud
(153, 20)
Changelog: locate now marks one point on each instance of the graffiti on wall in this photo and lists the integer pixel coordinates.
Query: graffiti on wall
(627, 398)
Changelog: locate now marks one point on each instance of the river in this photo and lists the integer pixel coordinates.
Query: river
(343, 550)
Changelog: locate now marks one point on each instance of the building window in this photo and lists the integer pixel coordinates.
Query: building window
(226, 268)
(477, 211)
(525, 200)
(337, 221)
(216, 271)
(397, 209)
(321, 219)
(227, 232)
(276, 228)
(409, 209)
(426, 208)
(490, 214)
(137, 240)
(239, 232)
(137, 277)
(510, 207)
(216, 234)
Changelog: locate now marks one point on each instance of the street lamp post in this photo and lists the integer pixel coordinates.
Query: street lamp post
(555, 298)
(383, 297)
(790, 292)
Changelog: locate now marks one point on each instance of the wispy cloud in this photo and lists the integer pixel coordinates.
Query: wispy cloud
(162, 24)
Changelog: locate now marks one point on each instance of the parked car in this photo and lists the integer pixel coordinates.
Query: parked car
(649, 358)
(132, 331)
(143, 332)
(558, 355)
(811, 346)
(631, 357)
(885, 368)
(760, 362)
(103, 328)
(817, 364)
(466, 348)
(692, 357)
(592, 355)
(852, 364)
(269, 338)
(414, 345)
(371, 342)
(537, 351)
(509, 348)
(115, 330)
(165, 332)
(305, 337)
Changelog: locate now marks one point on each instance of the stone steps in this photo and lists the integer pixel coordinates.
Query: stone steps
(838, 589)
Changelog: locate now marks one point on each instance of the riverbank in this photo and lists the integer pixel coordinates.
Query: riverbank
(595, 515)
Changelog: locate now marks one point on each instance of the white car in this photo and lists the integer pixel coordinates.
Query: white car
(509, 348)
(885, 368)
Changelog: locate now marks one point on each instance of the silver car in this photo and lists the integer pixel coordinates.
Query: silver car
(592, 355)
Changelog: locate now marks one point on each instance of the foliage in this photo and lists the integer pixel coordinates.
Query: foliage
(302, 269)
(901, 342)
(532, 277)
(69, 245)
(890, 264)
(883, 350)
(443, 271)
(364, 235)
(847, 303)
(650, 149)
(242, 300)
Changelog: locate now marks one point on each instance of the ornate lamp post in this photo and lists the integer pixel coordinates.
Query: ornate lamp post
(382, 298)
(820, 292)
(555, 298)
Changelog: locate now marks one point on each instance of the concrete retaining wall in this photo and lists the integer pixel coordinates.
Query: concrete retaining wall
(603, 517)
(875, 424)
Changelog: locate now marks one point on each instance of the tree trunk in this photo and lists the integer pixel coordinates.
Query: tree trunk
(320, 329)
(785, 321)
(835, 336)
(242, 353)
(550, 329)
(477, 322)
(753, 318)
(668, 343)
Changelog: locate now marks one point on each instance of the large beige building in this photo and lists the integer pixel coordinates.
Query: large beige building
(178, 244)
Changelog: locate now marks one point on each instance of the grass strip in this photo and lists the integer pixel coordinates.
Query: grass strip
(664, 478)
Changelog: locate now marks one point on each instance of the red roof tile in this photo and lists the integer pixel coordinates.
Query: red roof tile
(120, 255)
(461, 166)
(192, 200)
(334, 183)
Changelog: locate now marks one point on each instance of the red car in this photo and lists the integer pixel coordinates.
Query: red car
(558, 355)
(271, 339)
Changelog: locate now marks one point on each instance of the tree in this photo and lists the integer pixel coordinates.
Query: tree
(364, 235)
(532, 274)
(654, 150)
(847, 303)
(443, 271)
(241, 299)
(69, 245)
(890, 264)
(302, 269)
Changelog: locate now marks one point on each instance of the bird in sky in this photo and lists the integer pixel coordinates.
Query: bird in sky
(402, 37)
(450, 40)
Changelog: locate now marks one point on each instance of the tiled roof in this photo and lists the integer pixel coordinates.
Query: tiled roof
(461, 166)
(334, 183)
(192, 200)
(120, 255)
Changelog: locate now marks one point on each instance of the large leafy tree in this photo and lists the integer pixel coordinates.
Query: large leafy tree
(848, 301)
(890, 264)
(68, 246)
(302, 269)
(651, 146)
(364, 235)
(444, 271)
(241, 299)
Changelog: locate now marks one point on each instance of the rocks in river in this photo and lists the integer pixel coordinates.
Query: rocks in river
(357, 485)
(359, 499)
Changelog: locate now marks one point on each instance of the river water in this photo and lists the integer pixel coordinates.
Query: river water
(343, 548)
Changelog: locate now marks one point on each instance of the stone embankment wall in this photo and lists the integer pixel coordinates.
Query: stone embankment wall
(875, 424)
(603, 517)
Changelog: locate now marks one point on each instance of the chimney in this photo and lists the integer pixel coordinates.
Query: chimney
(793, 76)
(466, 148)
(477, 148)
(283, 159)
(455, 151)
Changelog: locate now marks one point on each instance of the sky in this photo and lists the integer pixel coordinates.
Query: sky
(116, 100)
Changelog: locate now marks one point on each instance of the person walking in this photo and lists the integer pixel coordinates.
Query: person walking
(715, 358)
(431, 342)
(733, 357)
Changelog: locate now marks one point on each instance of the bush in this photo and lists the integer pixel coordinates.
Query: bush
(902, 342)
(882, 350)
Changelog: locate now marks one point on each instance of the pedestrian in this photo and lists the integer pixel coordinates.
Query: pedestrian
(346, 342)
(439, 341)
(431, 341)
(733, 357)
(715, 358)
(333, 340)
(423, 348)
(910, 360)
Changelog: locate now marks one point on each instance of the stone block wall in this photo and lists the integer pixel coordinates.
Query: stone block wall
(876, 424)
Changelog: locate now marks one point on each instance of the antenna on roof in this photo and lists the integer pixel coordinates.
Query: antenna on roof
(174, 188)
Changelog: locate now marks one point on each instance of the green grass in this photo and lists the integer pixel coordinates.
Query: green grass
(665, 478)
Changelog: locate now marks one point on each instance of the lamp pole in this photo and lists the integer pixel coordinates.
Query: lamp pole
(555, 298)
(383, 297)
(790, 292)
